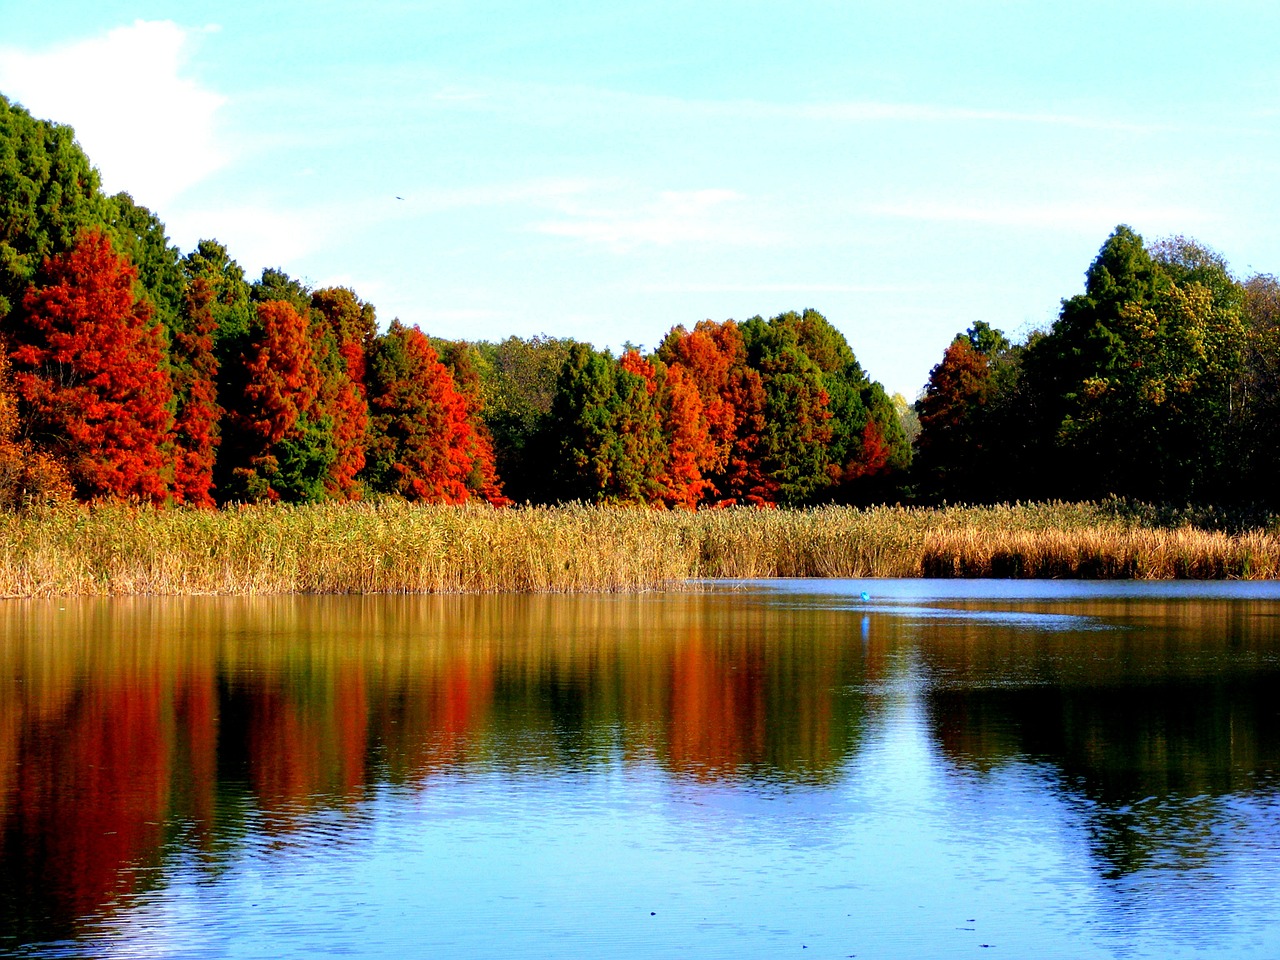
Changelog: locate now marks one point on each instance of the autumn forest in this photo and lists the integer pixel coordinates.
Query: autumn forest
(131, 371)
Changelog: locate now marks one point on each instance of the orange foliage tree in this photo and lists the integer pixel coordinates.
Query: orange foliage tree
(195, 385)
(483, 479)
(345, 328)
(422, 444)
(27, 476)
(687, 447)
(714, 359)
(88, 363)
(948, 442)
(278, 446)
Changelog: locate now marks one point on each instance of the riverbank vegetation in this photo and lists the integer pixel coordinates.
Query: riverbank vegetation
(132, 371)
(142, 389)
(392, 546)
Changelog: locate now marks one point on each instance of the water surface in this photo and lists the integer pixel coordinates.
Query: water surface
(944, 769)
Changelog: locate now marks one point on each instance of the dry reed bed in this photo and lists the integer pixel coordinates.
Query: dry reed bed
(1104, 553)
(394, 547)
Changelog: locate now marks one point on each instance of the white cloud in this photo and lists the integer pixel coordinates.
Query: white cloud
(561, 101)
(685, 216)
(554, 193)
(1070, 215)
(263, 235)
(150, 131)
(869, 112)
(773, 288)
(432, 316)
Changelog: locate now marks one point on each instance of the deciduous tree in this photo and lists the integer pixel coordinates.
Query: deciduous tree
(463, 361)
(518, 384)
(1138, 372)
(27, 476)
(88, 363)
(344, 330)
(714, 356)
(950, 444)
(195, 387)
(422, 445)
(277, 446)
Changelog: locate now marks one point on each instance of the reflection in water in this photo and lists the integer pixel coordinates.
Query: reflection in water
(140, 740)
(1156, 730)
(126, 722)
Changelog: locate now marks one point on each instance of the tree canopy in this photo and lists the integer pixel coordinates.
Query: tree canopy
(130, 370)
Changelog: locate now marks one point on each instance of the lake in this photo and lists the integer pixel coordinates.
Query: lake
(768, 769)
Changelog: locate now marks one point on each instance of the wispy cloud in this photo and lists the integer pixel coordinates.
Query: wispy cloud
(532, 100)
(1069, 215)
(794, 287)
(871, 112)
(148, 129)
(264, 231)
(674, 217)
(263, 235)
(554, 193)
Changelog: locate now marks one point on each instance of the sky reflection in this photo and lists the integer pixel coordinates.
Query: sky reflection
(717, 773)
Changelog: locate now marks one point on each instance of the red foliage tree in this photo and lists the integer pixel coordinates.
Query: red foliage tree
(88, 363)
(344, 328)
(483, 479)
(195, 383)
(422, 444)
(283, 380)
(714, 356)
(692, 451)
(948, 445)
(687, 448)
(27, 476)
(872, 461)
(282, 449)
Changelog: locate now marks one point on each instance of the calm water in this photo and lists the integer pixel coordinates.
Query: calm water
(766, 770)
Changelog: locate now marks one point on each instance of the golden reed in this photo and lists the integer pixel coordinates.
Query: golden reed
(395, 547)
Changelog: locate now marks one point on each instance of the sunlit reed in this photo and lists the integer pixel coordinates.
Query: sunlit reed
(395, 547)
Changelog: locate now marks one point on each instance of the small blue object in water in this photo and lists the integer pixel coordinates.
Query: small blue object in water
(865, 595)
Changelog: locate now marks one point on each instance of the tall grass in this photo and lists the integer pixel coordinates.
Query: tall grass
(394, 547)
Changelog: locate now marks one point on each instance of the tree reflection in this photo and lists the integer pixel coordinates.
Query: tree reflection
(134, 727)
(1149, 732)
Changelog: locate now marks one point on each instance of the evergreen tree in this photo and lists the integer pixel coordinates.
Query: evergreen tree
(49, 194)
(797, 408)
(138, 234)
(606, 429)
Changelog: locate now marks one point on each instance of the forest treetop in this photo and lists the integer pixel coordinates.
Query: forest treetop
(135, 371)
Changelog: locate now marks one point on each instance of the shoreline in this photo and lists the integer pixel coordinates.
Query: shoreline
(390, 546)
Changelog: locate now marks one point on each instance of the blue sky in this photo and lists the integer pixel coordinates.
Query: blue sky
(606, 171)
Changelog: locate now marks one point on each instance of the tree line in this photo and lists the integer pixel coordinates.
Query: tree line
(1158, 383)
(132, 371)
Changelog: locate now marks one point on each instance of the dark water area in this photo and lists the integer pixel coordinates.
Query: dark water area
(943, 769)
